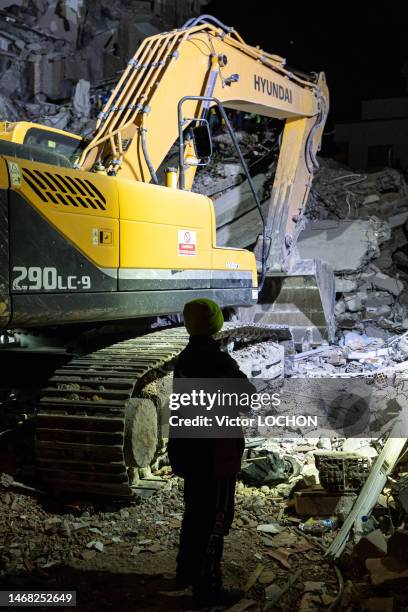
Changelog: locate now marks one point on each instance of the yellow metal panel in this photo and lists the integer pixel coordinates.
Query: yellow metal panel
(235, 260)
(78, 224)
(150, 220)
(83, 232)
(16, 131)
(104, 184)
(231, 259)
(4, 178)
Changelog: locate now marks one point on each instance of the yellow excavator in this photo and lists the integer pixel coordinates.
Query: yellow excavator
(89, 239)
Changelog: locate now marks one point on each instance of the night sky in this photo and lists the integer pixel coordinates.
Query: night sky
(362, 55)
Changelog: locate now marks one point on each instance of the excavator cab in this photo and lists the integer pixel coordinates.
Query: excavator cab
(40, 139)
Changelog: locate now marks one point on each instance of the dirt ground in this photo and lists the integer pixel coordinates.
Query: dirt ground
(123, 558)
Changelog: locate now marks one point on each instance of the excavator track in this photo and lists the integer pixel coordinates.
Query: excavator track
(81, 419)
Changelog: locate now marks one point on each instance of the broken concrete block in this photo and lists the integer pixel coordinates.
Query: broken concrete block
(387, 283)
(346, 245)
(371, 546)
(11, 80)
(232, 170)
(345, 285)
(95, 544)
(46, 76)
(387, 570)
(375, 299)
(59, 120)
(7, 111)
(355, 341)
(61, 19)
(213, 189)
(244, 231)
(270, 528)
(318, 503)
(132, 32)
(310, 586)
(361, 446)
(77, 67)
(310, 475)
(71, 10)
(398, 220)
(339, 307)
(370, 199)
(402, 346)
(81, 101)
(377, 312)
(354, 302)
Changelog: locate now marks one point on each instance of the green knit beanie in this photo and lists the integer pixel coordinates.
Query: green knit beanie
(202, 317)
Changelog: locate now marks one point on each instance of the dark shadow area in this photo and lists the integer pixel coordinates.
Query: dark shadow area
(98, 591)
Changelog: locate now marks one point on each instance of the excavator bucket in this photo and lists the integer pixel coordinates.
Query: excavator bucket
(303, 299)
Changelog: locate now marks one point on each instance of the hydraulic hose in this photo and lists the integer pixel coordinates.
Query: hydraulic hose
(147, 157)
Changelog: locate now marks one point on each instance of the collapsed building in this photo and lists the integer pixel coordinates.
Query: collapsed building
(50, 48)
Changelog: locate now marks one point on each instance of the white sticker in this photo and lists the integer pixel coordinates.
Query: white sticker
(15, 174)
(187, 242)
(95, 236)
(254, 294)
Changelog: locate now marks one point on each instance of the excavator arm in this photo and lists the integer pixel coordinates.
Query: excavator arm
(139, 123)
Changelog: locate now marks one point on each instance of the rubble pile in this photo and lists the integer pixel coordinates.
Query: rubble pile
(340, 193)
(54, 53)
(264, 548)
(355, 354)
(359, 224)
(225, 171)
(277, 548)
(34, 538)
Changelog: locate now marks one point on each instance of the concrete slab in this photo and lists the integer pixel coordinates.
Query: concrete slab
(346, 245)
(237, 218)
